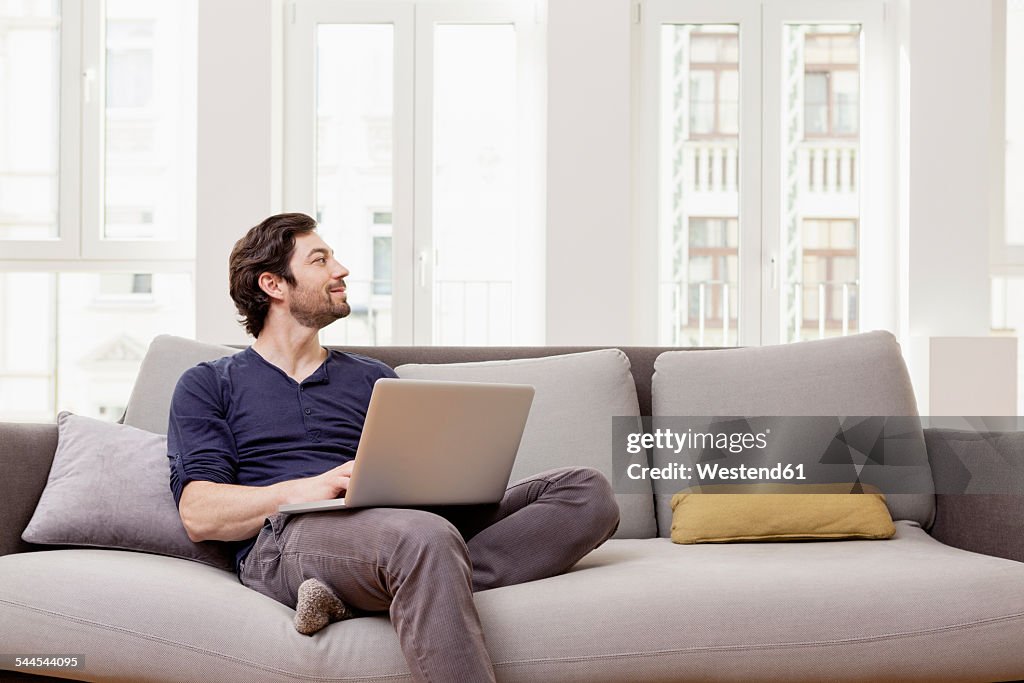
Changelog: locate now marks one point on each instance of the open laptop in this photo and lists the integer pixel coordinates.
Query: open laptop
(434, 443)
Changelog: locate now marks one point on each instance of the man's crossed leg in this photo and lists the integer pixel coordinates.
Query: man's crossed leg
(424, 565)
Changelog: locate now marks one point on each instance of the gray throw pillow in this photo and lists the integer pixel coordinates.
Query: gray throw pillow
(108, 488)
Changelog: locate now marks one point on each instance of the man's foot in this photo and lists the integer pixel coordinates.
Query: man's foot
(317, 606)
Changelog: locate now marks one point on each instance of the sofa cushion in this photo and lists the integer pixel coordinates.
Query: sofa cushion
(635, 609)
(168, 357)
(570, 422)
(858, 375)
(108, 488)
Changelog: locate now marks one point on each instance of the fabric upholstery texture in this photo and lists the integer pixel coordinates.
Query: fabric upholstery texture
(788, 512)
(570, 420)
(108, 488)
(149, 405)
(859, 375)
(905, 609)
(26, 452)
(988, 523)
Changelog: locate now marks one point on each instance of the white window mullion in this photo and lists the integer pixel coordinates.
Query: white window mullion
(772, 182)
(93, 89)
(531, 249)
(424, 291)
(404, 272)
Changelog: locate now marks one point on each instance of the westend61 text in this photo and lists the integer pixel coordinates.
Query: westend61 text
(715, 472)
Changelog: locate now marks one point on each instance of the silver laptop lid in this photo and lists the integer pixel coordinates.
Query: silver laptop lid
(438, 443)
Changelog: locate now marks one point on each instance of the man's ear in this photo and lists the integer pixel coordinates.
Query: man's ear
(272, 285)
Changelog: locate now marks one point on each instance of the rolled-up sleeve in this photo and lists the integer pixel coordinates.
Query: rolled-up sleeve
(200, 446)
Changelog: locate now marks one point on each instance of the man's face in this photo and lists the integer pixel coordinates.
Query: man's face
(318, 297)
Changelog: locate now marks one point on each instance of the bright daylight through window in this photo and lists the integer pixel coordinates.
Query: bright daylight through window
(97, 185)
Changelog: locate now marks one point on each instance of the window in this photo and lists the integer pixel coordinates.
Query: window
(829, 287)
(1008, 237)
(428, 122)
(753, 139)
(701, 157)
(714, 82)
(30, 155)
(713, 271)
(97, 182)
(831, 82)
(75, 340)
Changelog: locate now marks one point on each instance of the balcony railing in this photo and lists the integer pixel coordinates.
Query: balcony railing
(477, 312)
(712, 322)
(824, 319)
(711, 319)
(828, 166)
(824, 166)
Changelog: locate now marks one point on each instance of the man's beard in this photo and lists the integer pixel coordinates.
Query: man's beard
(315, 308)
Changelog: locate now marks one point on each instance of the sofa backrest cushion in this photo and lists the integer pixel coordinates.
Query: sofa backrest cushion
(570, 421)
(858, 375)
(168, 357)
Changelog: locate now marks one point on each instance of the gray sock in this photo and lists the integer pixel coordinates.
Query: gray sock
(316, 607)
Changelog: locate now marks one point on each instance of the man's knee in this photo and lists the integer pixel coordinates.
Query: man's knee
(592, 491)
(417, 532)
(600, 499)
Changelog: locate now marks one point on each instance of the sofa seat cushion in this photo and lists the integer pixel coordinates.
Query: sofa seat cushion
(635, 609)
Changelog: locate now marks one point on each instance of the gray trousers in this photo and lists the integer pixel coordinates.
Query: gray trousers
(423, 565)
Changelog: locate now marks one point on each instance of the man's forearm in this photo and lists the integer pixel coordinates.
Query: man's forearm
(227, 512)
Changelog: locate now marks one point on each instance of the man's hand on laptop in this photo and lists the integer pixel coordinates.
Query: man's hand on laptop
(331, 484)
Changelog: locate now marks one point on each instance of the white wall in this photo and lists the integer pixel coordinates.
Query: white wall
(949, 176)
(239, 147)
(589, 248)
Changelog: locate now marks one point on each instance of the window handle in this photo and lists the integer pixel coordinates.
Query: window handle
(774, 261)
(423, 256)
(88, 82)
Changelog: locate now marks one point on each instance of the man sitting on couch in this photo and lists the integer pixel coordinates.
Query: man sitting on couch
(279, 423)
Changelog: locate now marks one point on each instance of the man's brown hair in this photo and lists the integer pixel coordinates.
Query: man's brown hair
(266, 248)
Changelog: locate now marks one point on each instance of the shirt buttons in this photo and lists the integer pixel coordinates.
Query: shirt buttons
(302, 388)
(308, 411)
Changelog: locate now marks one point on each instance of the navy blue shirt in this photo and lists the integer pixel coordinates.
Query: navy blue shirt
(242, 420)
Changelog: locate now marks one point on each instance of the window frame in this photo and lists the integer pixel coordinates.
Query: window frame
(81, 169)
(873, 199)
(761, 25)
(66, 244)
(648, 263)
(414, 255)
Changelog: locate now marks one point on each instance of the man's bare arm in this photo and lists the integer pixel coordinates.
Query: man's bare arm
(229, 512)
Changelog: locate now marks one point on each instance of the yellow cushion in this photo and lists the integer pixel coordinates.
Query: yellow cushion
(724, 513)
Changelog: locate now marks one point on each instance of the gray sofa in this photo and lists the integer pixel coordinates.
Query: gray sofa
(942, 600)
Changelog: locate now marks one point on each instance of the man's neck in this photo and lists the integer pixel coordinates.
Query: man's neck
(296, 350)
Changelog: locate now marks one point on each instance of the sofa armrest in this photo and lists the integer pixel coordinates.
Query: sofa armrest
(986, 523)
(26, 453)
